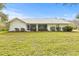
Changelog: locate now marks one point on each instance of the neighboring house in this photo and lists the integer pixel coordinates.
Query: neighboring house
(37, 24)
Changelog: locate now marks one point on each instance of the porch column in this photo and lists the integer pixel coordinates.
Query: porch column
(48, 27)
(36, 27)
(55, 27)
(61, 28)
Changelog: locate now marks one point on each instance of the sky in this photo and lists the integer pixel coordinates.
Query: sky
(41, 10)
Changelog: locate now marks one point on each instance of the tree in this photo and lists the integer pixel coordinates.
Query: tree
(77, 16)
(2, 5)
(4, 17)
(76, 21)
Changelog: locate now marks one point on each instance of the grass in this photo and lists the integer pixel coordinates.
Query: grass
(39, 43)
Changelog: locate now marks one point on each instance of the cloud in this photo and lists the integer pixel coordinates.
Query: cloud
(12, 13)
(70, 16)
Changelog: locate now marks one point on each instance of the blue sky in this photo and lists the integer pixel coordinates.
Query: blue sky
(41, 10)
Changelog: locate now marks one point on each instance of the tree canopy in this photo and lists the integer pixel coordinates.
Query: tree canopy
(77, 16)
(3, 16)
(2, 5)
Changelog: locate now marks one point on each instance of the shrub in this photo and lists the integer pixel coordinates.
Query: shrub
(4, 29)
(58, 28)
(22, 29)
(67, 29)
(52, 28)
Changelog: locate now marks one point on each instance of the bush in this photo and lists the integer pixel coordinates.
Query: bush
(22, 29)
(58, 28)
(4, 29)
(52, 28)
(67, 29)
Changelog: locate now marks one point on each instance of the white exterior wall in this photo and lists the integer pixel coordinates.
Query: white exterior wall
(17, 24)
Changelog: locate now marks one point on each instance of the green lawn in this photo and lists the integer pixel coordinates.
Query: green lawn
(39, 43)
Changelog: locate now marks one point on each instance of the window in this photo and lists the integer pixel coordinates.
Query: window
(17, 29)
(42, 27)
(28, 27)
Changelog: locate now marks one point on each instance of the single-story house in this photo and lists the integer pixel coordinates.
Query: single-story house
(37, 24)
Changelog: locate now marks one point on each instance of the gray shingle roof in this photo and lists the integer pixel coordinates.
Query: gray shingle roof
(44, 21)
